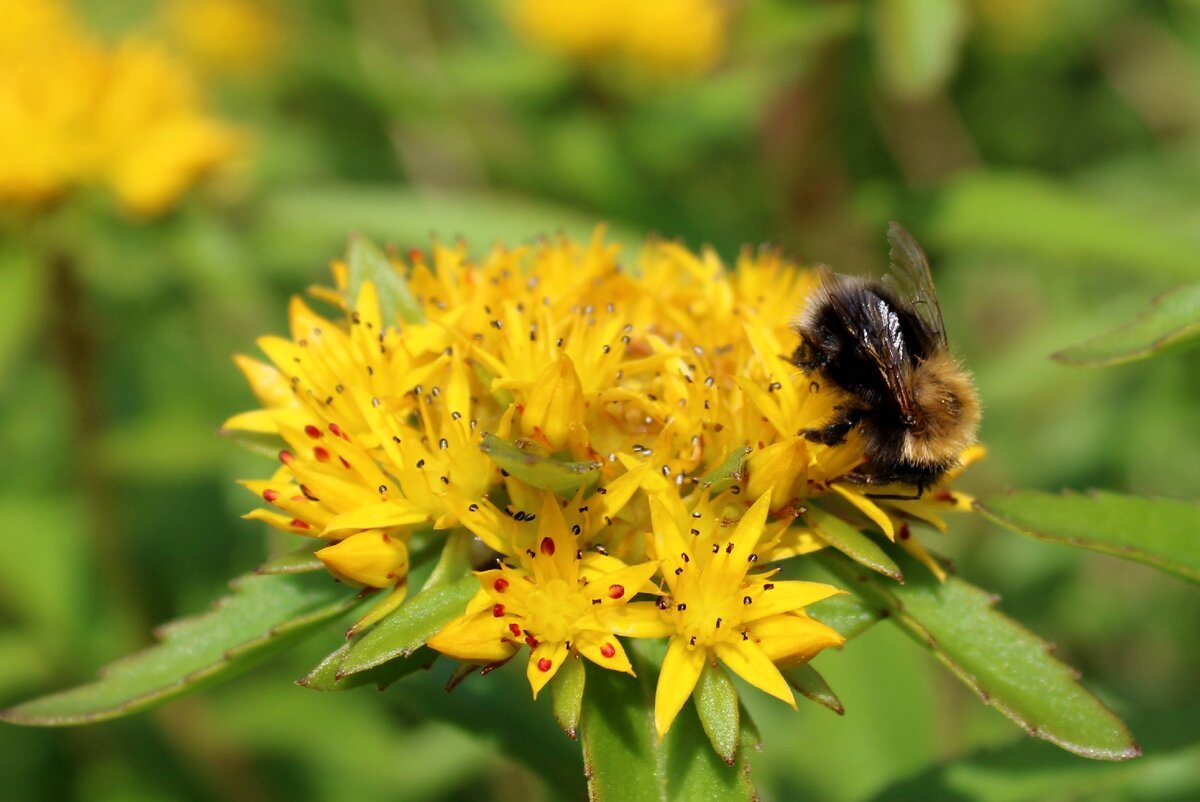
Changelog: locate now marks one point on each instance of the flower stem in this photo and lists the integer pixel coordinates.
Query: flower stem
(73, 339)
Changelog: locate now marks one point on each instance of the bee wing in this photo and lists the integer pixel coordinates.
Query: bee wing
(911, 280)
(876, 329)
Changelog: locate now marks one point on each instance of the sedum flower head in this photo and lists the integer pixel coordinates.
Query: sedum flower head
(619, 434)
(665, 37)
(82, 113)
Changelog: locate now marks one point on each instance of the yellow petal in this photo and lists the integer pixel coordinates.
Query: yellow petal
(637, 620)
(748, 661)
(604, 650)
(794, 638)
(268, 384)
(773, 598)
(370, 558)
(868, 508)
(680, 671)
(544, 663)
(554, 402)
(381, 515)
(479, 638)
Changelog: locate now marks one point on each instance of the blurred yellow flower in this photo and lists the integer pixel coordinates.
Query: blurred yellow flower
(238, 36)
(663, 37)
(80, 113)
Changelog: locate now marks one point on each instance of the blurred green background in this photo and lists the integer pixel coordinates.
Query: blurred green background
(1046, 152)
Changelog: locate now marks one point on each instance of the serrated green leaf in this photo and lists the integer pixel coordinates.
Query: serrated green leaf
(265, 616)
(848, 614)
(1172, 321)
(917, 43)
(624, 759)
(366, 262)
(325, 676)
(407, 628)
(294, 562)
(1008, 666)
(1159, 532)
(729, 472)
(851, 542)
(717, 706)
(566, 695)
(809, 683)
(547, 473)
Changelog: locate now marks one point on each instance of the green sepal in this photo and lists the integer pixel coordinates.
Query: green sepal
(1009, 667)
(327, 676)
(1159, 532)
(563, 477)
(566, 694)
(406, 628)
(265, 615)
(717, 706)
(809, 683)
(300, 561)
(847, 614)
(729, 472)
(366, 262)
(854, 544)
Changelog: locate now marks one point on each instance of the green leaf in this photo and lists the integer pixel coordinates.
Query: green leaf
(366, 262)
(1027, 770)
(849, 615)
(406, 629)
(1173, 321)
(811, 685)
(1008, 666)
(851, 542)
(566, 695)
(730, 472)
(1159, 532)
(264, 616)
(717, 706)
(454, 559)
(1034, 216)
(300, 561)
(917, 44)
(327, 676)
(544, 472)
(624, 759)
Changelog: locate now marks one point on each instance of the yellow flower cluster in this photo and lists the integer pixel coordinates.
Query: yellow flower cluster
(608, 427)
(231, 36)
(667, 37)
(75, 112)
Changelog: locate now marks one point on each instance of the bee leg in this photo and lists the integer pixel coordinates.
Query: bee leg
(834, 433)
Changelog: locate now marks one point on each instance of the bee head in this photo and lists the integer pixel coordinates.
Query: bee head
(947, 412)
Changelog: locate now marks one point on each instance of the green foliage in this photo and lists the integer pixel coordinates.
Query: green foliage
(1045, 151)
(1009, 667)
(266, 615)
(564, 477)
(1173, 321)
(1158, 532)
(854, 544)
(625, 760)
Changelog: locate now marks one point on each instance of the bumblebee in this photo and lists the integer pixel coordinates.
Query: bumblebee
(883, 344)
